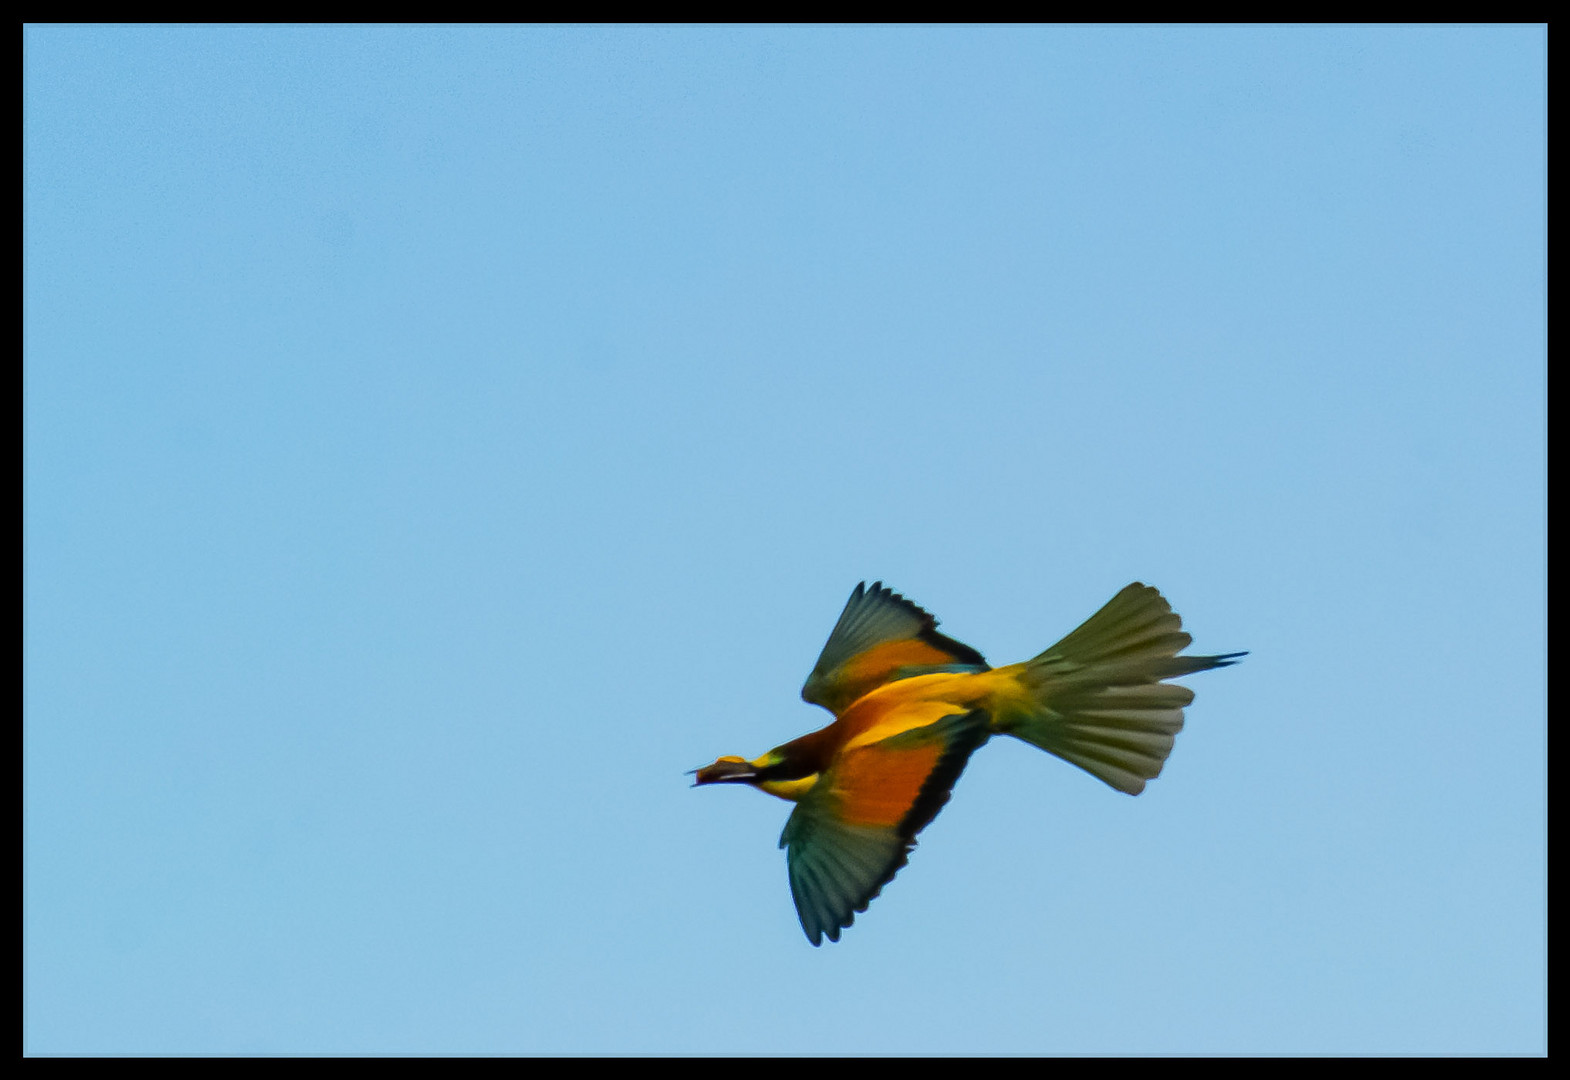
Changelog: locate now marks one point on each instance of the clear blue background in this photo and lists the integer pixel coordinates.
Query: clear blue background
(437, 440)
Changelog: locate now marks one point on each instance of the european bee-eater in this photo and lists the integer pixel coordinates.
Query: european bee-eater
(911, 705)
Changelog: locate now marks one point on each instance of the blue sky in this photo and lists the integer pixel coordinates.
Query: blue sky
(437, 440)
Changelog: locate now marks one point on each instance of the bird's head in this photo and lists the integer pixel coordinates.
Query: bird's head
(779, 772)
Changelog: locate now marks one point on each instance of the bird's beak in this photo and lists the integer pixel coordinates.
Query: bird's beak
(727, 770)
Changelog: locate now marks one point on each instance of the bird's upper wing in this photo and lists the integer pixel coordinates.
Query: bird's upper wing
(853, 831)
(881, 636)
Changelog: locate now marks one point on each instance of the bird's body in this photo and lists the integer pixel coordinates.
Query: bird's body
(911, 705)
(888, 710)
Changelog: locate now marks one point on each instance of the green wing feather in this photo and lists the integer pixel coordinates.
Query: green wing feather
(881, 636)
(837, 860)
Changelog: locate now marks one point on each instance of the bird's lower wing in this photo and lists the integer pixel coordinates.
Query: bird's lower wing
(854, 830)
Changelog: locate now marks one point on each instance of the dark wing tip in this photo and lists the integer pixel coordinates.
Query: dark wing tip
(929, 628)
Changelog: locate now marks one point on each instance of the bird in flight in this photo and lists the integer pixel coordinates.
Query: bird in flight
(911, 705)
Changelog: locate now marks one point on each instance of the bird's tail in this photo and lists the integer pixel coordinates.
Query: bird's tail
(1097, 698)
